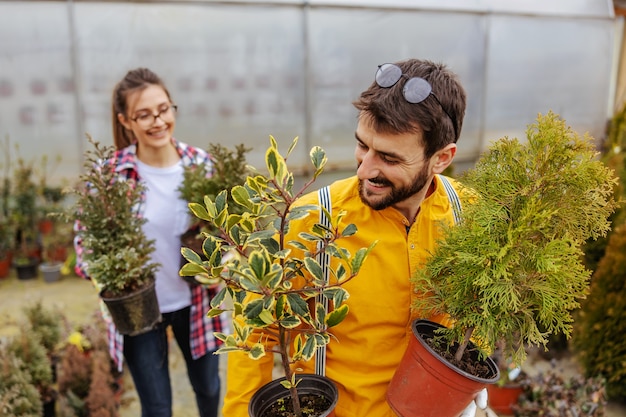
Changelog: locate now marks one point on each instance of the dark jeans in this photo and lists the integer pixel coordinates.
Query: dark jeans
(147, 359)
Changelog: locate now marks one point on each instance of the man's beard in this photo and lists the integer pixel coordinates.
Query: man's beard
(397, 194)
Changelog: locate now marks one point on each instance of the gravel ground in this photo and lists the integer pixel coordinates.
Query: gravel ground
(78, 300)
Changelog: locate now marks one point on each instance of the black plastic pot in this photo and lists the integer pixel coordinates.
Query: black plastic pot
(134, 313)
(268, 394)
(27, 270)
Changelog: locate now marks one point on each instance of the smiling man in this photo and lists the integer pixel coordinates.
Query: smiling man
(409, 121)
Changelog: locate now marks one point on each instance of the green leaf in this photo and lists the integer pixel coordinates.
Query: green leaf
(272, 160)
(190, 255)
(290, 322)
(219, 298)
(298, 305)
(308, 350)
(336, 316)
(349, 230)
(201, 212)
(320, 313)
(314, 269)
(266, 317)
(214, 312)
(280, 306)
(257, 351)
(259, 264)
(241, 196)
(190, 270)
(318, 158)
(253, 309)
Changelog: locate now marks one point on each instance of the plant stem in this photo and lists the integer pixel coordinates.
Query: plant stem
(284, 358)
(463, 346)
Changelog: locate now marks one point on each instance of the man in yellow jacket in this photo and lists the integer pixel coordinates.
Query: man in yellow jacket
(409, 121)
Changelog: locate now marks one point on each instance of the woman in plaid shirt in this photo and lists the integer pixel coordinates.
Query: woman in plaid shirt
(144, 118)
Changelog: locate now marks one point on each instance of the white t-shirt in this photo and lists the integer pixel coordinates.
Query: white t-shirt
(168, 218)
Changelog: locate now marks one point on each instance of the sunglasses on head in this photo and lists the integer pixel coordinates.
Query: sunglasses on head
(415, 90)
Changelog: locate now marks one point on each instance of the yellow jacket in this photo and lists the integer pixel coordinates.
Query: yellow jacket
(373, 337)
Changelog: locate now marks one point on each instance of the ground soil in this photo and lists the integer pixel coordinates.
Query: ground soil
(78, 300)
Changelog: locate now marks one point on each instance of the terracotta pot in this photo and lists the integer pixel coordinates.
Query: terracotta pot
(502, 398)
(134, 313)
(426, 385)
(5, 266)
(46, 226)
(268, 394)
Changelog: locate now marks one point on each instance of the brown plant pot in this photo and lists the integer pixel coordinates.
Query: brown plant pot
(5, 266)
(134, 313)
(426, 385)
(310, 384)
(46, 226)
(502, 398)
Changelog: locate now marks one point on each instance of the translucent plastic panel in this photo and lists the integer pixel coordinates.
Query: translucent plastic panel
(348, 45)
(37, 85)
(542, 64)
(236, 72)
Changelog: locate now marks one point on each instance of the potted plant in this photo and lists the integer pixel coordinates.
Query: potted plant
(507, 390)
(27, 346)
(25, 218)
(116, 250)
(18, 395)
(272, 279)
(55, 250)
(7, 231)
(50, 197)
(229, 169)
(513, 265)
(6, 239)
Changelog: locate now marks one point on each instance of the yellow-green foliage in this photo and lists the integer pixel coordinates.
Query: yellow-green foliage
(18, 396)
(601, 323)
(614, 156)
(27, 347)
(513, 266)
(229, 169)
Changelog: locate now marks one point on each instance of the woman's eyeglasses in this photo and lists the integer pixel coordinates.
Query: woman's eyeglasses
(415, 90)
(146, 119)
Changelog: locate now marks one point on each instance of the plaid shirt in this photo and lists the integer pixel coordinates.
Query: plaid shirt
(201, 339)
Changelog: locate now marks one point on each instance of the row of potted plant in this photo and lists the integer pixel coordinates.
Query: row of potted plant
(28, 235)
(50, 368)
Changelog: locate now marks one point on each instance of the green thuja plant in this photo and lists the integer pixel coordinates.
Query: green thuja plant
(229, 169)
(511, 272)
(601, 322)
(116, 250)
(27, 347)
(18, 395)
(271, 277)
(614, 156)
(47, 323)
(24, 212)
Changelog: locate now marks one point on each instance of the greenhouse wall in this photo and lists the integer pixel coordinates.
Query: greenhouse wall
(243, 70)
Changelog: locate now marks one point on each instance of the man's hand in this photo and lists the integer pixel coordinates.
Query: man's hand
(479, 402)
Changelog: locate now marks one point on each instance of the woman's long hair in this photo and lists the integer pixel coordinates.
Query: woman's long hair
(135, 80)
